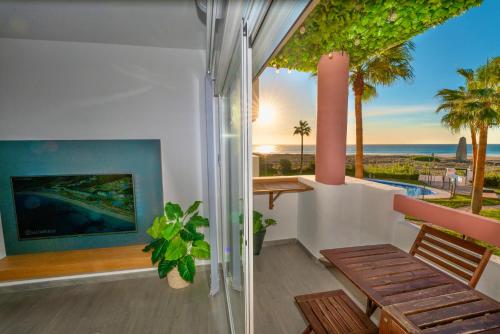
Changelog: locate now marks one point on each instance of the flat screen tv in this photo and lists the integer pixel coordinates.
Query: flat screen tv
(73, 205)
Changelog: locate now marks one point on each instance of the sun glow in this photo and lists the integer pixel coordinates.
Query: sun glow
(267, 114)
(265, 149)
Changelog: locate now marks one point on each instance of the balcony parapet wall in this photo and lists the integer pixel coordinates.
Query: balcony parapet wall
(362, 212)
(471, 225)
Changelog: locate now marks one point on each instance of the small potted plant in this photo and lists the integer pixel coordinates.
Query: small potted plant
(260, 226)
(177, 243)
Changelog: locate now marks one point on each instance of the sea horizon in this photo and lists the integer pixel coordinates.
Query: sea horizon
(493, 150)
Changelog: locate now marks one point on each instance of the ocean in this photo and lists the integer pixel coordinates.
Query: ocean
(420, 149)
(43, 217)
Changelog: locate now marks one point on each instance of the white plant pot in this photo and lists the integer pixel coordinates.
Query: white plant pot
(175, 280)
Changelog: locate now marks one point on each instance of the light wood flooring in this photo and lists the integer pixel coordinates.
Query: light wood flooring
(137, 304)
(87, 261)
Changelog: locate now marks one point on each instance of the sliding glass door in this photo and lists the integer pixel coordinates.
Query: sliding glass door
(236, 187)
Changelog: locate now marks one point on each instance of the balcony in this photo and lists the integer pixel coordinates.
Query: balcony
(356, 213)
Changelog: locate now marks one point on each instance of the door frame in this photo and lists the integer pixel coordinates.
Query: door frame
(244, 56)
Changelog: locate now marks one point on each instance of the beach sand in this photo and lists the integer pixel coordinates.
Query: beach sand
(87, 206)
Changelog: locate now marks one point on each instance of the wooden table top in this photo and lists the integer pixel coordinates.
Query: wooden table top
(279, 184)
(388, 275)
(456, 313)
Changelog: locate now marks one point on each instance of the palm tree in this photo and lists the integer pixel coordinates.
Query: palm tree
(382, 69)
(303, 129)
(477, 106)
(458, 116)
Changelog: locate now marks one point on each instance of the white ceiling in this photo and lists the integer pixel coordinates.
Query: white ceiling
(161, 23)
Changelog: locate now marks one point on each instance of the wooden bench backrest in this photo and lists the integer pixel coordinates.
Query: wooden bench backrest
(460, 257)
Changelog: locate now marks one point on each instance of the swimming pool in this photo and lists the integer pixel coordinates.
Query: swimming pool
(412, 190)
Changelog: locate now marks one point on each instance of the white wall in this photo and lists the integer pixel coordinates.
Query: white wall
(68, 90)
(284, 212)
(355, 213)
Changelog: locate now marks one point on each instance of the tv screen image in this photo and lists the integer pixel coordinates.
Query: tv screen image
(73, 205)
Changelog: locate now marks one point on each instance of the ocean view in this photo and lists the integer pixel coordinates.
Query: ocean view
(420, 149)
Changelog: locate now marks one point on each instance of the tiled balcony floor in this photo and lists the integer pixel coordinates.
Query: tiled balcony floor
(282, 272)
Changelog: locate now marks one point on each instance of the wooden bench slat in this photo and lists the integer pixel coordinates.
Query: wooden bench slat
(460, 257)
(454, 240)
(359, 314)
(333, 312)
(473, 325)
(448, 257)
(451, 313)
(311, 318)
(330, 325)
(348, 313)
(444, 265)
(474, 257)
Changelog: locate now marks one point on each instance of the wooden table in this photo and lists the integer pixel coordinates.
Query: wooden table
(388, 275)
(275, 186)
(456, 313)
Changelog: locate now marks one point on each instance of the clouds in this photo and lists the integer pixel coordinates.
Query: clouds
(398, 110)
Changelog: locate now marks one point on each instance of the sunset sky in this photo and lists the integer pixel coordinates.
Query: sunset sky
(403, 113)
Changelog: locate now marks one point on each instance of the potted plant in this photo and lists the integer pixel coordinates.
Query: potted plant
(177, 243)
(260, 226)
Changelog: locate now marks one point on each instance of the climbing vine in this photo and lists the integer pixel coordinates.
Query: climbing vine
(362, 28)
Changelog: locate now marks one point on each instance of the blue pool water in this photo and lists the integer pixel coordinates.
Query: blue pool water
(412, 190)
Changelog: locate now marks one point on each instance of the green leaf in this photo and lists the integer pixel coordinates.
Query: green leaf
(199, 221)
(200, 249)
(153, 245)
(157, 227)
(189, 233)
(176, 249)
(173, 211)
(187, 269)
(164, 267)
(269, 222)
(192, 208)
(257, 226)
(159, 251)
(257, 216)
(171, 230)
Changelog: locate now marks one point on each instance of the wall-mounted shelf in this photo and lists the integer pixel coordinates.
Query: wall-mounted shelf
(275, 186)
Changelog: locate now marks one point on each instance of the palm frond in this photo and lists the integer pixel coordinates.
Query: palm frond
(369, 92)
(391, 65)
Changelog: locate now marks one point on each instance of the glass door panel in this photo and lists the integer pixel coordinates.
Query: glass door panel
(233, 107)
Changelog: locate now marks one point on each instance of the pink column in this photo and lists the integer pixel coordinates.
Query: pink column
(333, 89)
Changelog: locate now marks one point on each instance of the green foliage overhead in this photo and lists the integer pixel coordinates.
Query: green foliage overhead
(363, 28)
(176, 241)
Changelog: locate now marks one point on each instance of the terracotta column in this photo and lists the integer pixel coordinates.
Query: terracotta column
(333, 89)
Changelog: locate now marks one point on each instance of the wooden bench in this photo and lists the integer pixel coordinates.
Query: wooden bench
(333, 312)
(456, 313)
(463, 259)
